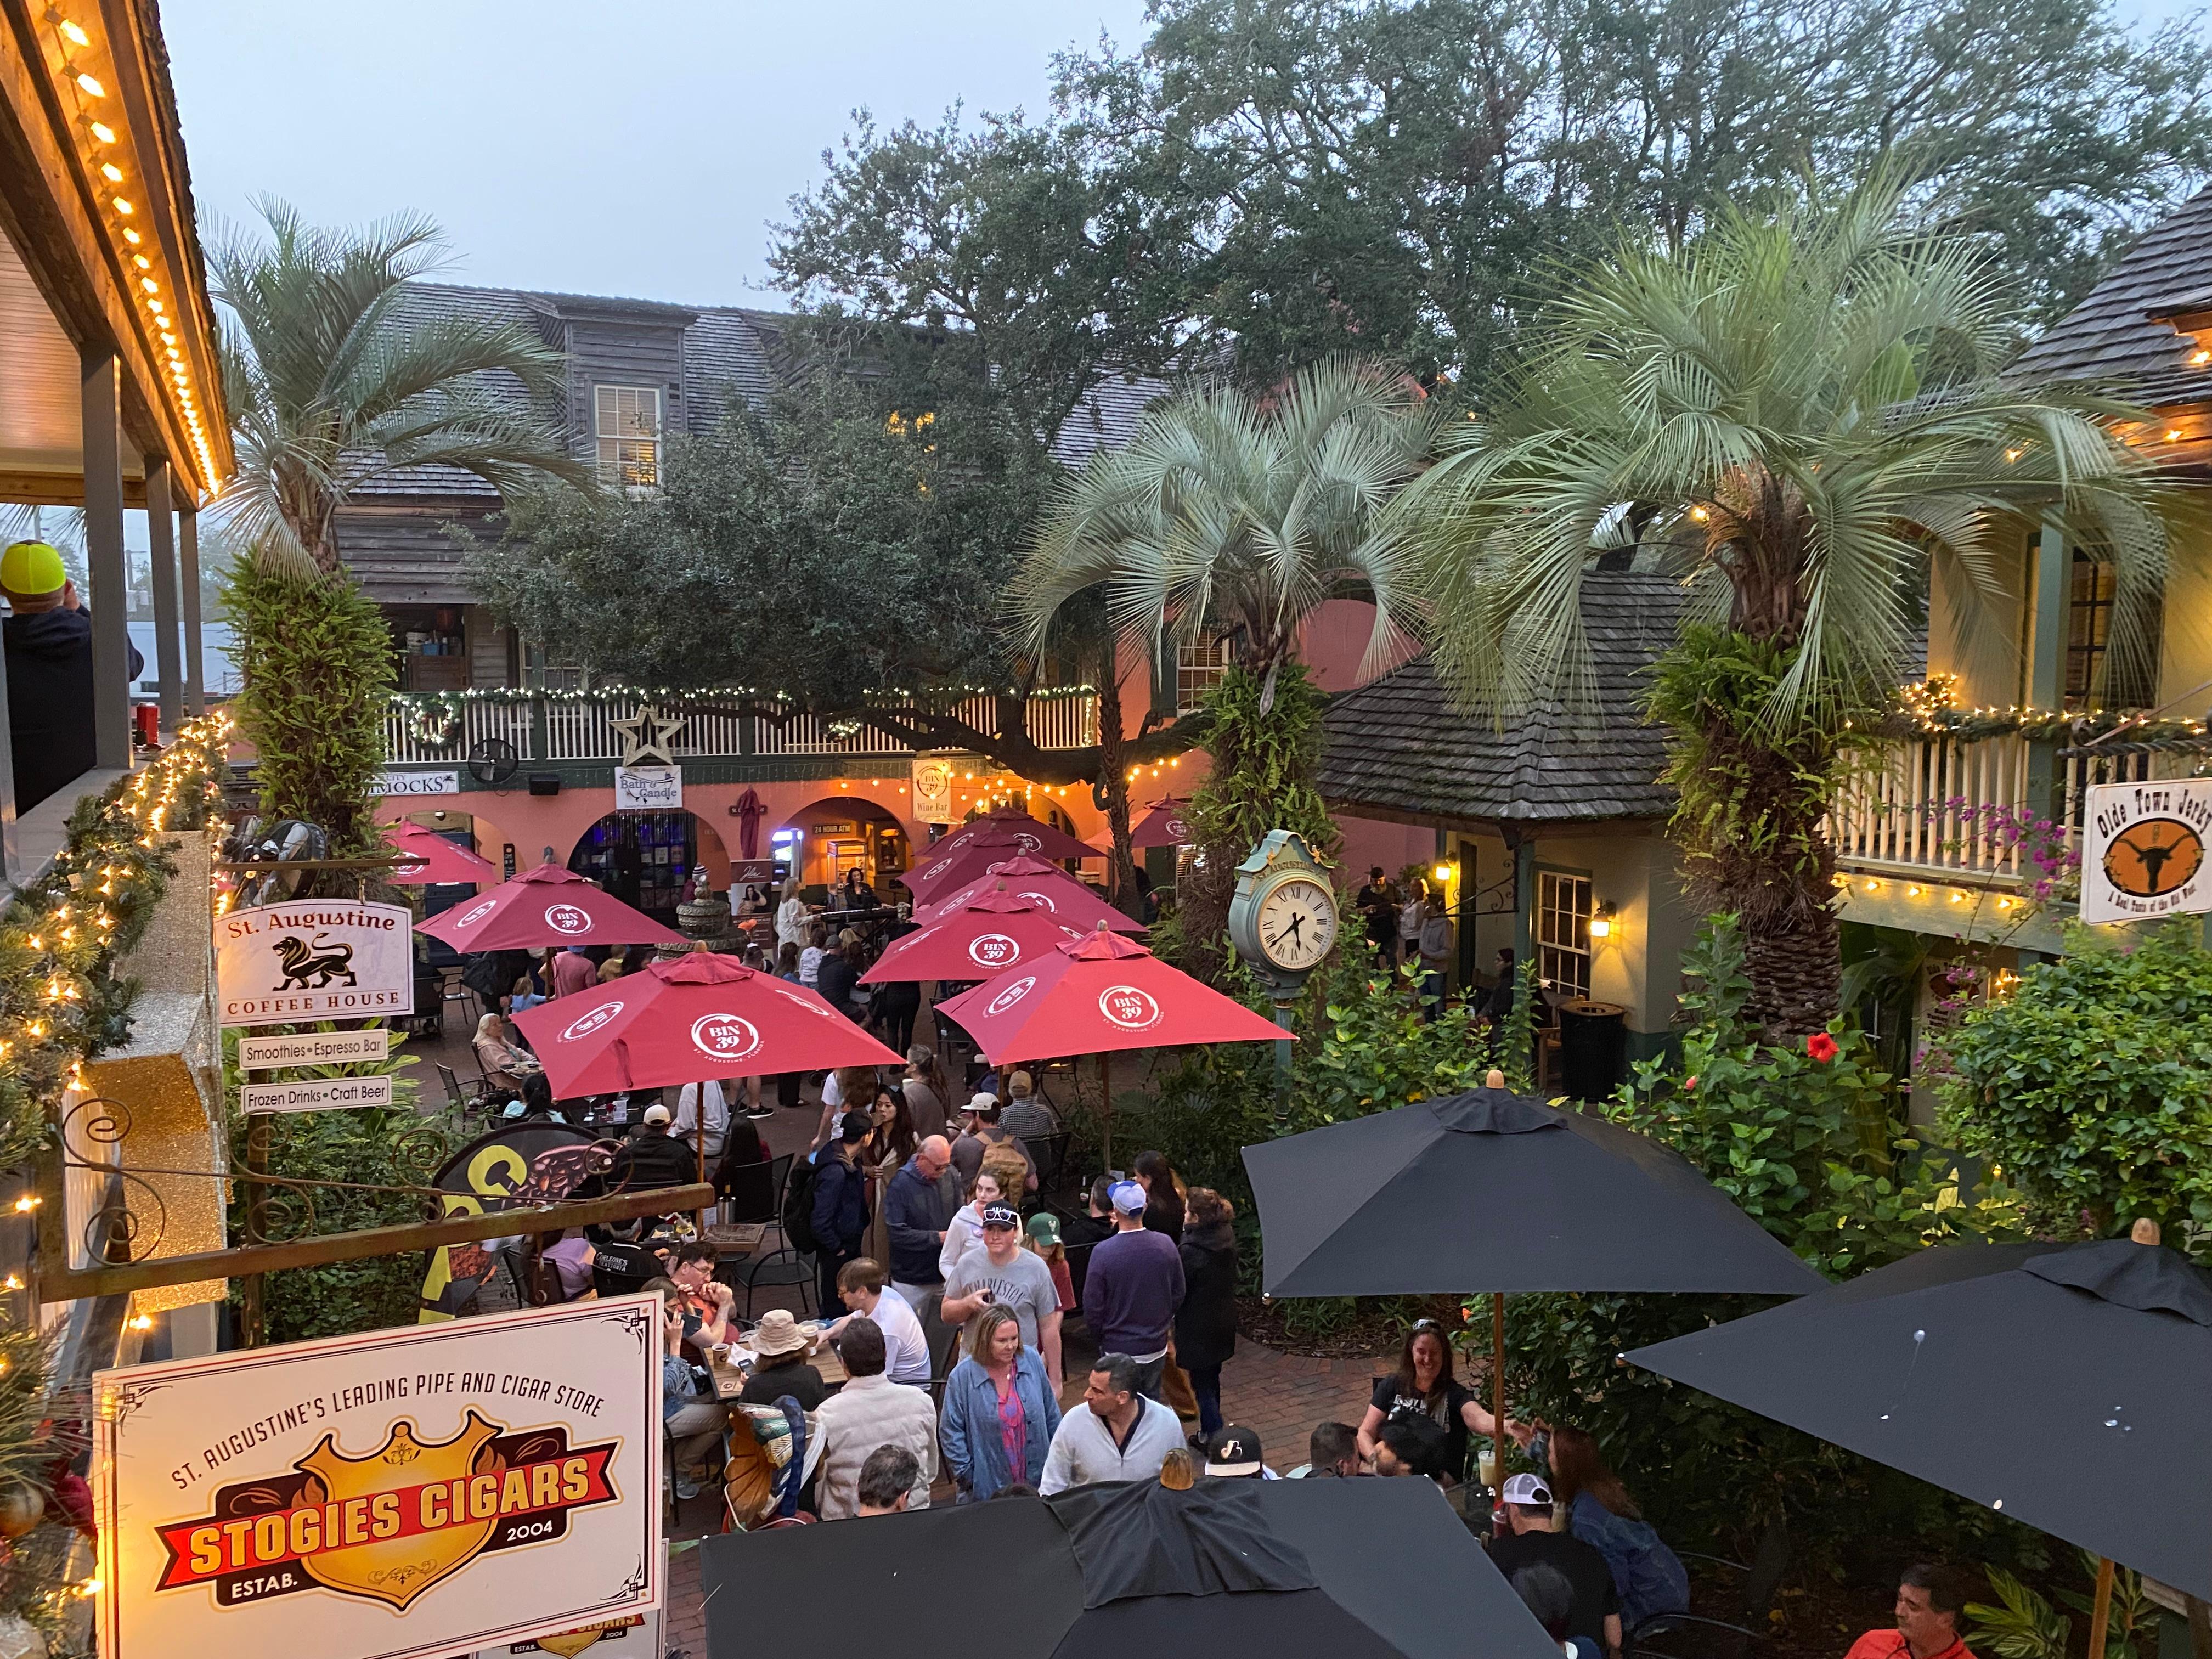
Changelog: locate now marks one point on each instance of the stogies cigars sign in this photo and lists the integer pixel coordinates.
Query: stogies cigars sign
(392, 1495)
(313, 959)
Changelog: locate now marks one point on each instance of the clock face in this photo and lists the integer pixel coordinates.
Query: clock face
(1297, 923)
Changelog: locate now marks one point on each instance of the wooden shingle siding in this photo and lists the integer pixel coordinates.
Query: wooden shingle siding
(403, 556)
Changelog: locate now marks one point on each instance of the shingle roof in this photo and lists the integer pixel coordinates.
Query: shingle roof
(1107, 416)
(2111, 336)
(725, 347)
(1400, 746)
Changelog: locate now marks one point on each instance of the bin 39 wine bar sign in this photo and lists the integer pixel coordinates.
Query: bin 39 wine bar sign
(314, 959)
(397, 1495)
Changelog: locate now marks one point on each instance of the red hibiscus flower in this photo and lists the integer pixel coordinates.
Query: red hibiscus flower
(1822, 1047)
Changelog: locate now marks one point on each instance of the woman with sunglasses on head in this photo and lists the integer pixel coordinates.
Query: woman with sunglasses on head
(1424, 1388)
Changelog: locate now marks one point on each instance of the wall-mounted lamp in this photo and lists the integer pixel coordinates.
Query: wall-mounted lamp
(1601, 925)
(1443, 871)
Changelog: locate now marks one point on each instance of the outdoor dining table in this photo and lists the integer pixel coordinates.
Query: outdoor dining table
(730, 1377)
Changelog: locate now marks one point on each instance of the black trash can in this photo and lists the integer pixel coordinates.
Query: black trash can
(1593, 1049)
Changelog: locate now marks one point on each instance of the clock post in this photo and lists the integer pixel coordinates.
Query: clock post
(1283, 921)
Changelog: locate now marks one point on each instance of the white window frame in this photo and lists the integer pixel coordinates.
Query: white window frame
(541, 674)
(1199, 667)
(626, 430)
(1564, 901)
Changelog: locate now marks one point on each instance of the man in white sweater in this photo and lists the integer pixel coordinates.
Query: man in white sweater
(1122, 1436)
(868, 1412)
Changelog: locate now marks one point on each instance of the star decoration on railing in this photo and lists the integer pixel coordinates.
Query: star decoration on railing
(646, 736)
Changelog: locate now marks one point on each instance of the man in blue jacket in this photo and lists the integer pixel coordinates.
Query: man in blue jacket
(919, 1205)
(840, 1206)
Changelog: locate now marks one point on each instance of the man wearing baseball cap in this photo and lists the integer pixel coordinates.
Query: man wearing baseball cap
(981, 1133)
(998, 1270)
(48, 639)
(1133, 1289)
(651, 1159)
(1537, 1541)
(1234, 1454)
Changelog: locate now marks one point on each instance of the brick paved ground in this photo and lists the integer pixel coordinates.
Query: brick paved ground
(1279, 1397)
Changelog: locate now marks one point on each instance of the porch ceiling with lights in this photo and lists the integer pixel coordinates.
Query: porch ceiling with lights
(99, 252)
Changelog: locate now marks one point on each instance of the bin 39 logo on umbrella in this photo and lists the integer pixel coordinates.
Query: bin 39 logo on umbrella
(724, 1036)
(584, 1025)
(1012, 994)
(568, 919)
(1128, 1007)
(993, 950)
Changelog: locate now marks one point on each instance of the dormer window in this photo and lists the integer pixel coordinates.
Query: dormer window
(627, 422)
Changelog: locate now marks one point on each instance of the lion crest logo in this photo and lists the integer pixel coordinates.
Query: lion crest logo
(321, 963)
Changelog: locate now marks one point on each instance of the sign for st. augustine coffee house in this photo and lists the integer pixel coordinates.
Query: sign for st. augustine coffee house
(314, 959)
(402, 1494)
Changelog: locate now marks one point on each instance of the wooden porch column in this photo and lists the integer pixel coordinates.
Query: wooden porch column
(110, 597)
(188, 547)
(161, 540)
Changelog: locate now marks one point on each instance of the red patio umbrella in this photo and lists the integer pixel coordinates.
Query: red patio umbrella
(1164, 826)
(939, 872)
(1050, 843)
(700, 1016)
(976, 940)
(1043, 886)
(436, 858)
(544, 907)
(1103, 995)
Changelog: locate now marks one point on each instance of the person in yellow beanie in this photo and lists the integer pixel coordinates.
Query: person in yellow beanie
(48, 639)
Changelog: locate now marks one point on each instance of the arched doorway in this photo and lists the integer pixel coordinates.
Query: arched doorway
(645, 858)
(823, 840)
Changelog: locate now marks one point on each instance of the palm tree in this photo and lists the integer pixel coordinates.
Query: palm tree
(329, 389)
(1802, 415)
(1231, 519)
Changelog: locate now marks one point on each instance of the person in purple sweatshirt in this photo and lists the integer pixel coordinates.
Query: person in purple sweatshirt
(1133, 1289)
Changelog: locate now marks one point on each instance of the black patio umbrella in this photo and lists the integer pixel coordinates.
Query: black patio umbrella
(2069, 1388)
(1492, 1191)
(1315, 1569)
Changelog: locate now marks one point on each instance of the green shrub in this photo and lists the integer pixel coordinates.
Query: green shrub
(1809, 1148)
(315, 658)
(2090, 1086)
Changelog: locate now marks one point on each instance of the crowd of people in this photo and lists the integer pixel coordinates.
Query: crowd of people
(947, 1307)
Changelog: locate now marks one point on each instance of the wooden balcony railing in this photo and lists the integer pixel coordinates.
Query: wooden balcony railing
(1971, 809)
(431, 730)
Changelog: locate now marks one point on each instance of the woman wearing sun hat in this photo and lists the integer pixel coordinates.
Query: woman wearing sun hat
(780, 1366)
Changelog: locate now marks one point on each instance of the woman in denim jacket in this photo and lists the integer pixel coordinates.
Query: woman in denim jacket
(999, 1411)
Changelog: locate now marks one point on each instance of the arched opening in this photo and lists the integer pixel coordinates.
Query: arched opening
(823, 840)
(646, 859)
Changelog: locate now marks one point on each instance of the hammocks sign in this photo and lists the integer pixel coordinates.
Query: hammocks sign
(314, 959)
(406, 1494)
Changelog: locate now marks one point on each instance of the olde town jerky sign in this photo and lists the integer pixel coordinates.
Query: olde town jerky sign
(314, 959)
(2143, 850)
(397, 1495)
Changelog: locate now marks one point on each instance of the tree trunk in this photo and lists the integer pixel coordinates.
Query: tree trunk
(1769, 862)
(1111, 794)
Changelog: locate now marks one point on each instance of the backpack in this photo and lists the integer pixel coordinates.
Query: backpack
(799, 1205)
